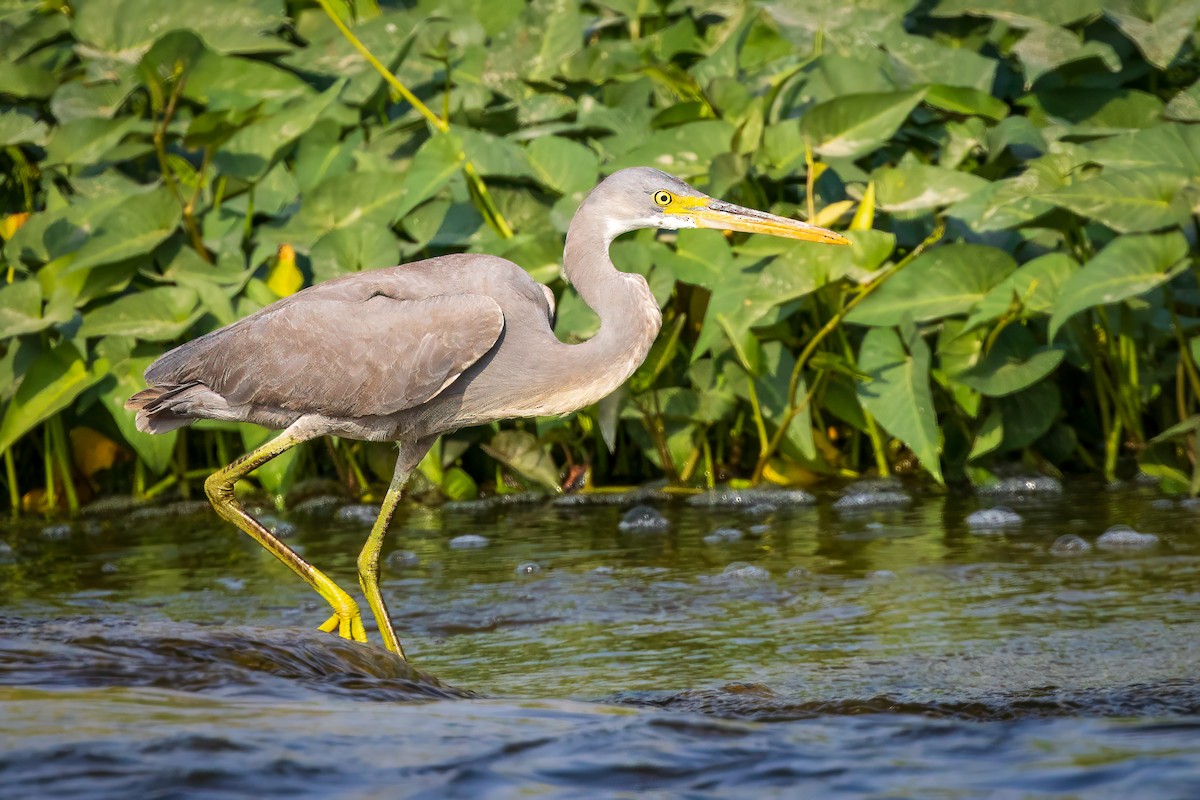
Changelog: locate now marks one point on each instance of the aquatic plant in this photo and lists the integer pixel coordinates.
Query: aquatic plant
(1021, 186)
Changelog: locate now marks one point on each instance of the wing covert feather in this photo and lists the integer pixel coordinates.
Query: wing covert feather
(348, 358)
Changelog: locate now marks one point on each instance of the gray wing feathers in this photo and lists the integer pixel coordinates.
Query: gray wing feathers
(343, 358)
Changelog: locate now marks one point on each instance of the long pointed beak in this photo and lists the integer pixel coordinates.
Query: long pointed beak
(728, 217)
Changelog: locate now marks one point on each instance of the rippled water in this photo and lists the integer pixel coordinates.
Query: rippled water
(848, 651)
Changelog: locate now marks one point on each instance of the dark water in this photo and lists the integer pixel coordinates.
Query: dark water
(827, 653)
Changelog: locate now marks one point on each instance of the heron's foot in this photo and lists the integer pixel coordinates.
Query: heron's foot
(348, 625)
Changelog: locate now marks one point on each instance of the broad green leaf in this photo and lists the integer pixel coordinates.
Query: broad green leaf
(155, 315)
(26, 81)
(121, 30)
(989, 437)
(926, 60)
(367, 245)
(1028, 415)
(329, 57)
(1158, 29)
(51, 383)
(1094, 111)
(1014, 363)
(521, 452)
(1046, 47)
(155, 450)
(898, 394)
(1035, 286)
(1128, 201)
(1129, 266)
(76, 100)
(21, 127)
(133, 228)
(231, 82)
(1185, 105)
(685, 150)
(85, 141)
(251, 151)
(563, 165)
(921, 187)
(21, 309)
(1021, 13)
(494, 156)
(854, 125)
(945, 281)
(1167, 145)
(962, 100)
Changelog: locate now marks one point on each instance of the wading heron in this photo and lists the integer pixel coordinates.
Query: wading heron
(407, 353)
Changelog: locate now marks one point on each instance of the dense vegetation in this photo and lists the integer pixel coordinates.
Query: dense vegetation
(1021, 186)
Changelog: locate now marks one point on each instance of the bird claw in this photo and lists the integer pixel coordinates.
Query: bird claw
(349, 626)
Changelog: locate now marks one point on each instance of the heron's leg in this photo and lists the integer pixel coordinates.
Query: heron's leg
(346, 619)
(368, 559)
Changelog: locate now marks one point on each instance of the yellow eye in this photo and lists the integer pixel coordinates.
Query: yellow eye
(662, 198)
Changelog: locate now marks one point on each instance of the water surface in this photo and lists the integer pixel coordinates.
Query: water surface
(886, 652)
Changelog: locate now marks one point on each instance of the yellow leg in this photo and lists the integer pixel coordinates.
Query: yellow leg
(346, 618)
(369, 559)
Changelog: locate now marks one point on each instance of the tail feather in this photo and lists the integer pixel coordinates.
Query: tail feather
(164, 408)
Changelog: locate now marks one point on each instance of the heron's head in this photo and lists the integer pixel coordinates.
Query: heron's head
(643, 197)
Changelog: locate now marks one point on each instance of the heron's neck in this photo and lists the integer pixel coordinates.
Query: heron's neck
(629, 315)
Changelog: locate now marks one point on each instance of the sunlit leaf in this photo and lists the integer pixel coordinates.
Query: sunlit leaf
(898, 393)
(1128, 201)
(51, 384)
(156, 315)
(945, 281)
(1131, 265)
(853, 125)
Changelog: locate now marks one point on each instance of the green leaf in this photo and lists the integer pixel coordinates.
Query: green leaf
(1035, 286)
(989, 437)
(898, 394)
(115, 29)
(1158, 29)
(685, 150)
(495, 156)
(921, 187)
(251, 151)
(1185, 105)
(155, 450)
(853, 125)
(1129, 266)
(159, 314)
(1047, 47)
(355, 249)
(21, 127)
(963, 100)
(133, 228)
(1028, 415)
(1168, 145)
(563, 165)
(521, 452)
(52, 382)
(85, 141)
(942, 282)
(329, 57)
(21, 309)
(1095, 112)
(1014, 363)
(1128, 201)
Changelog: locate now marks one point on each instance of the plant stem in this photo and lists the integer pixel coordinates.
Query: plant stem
(62, 460)
(794, 407)
(14, 492)
(439, 124)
